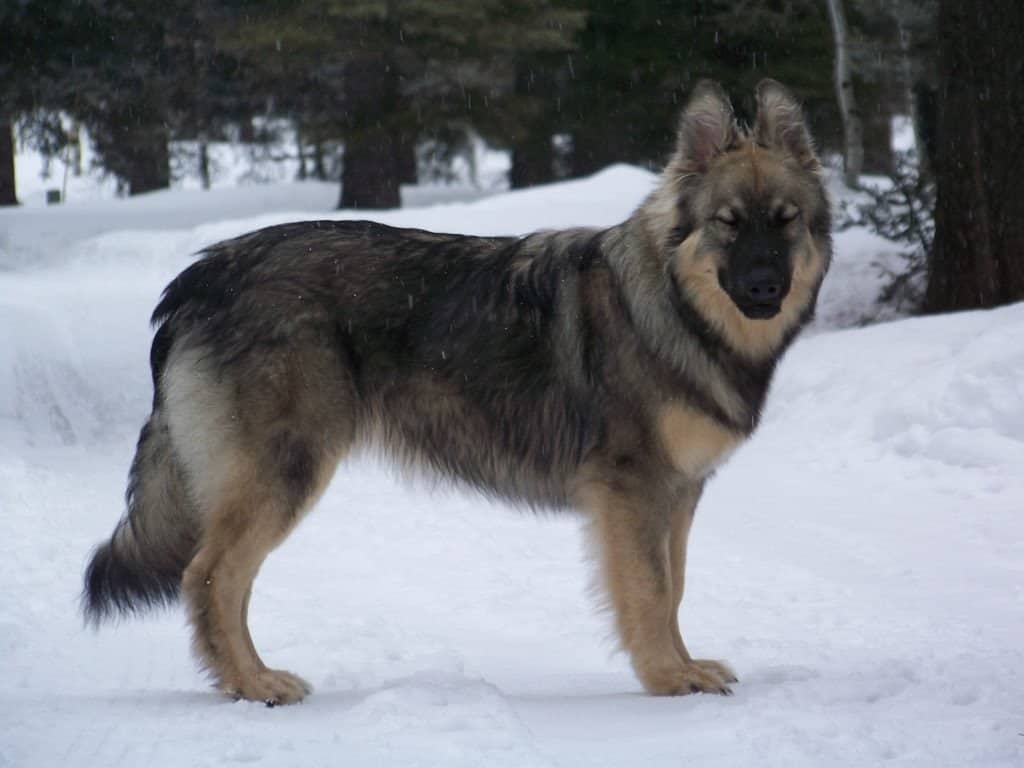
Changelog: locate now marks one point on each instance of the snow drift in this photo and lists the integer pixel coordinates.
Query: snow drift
(858, 561)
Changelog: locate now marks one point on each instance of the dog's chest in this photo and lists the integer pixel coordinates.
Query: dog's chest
(694, 443)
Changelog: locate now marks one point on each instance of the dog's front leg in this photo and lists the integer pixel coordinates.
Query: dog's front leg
(637, 529)
(681, 519)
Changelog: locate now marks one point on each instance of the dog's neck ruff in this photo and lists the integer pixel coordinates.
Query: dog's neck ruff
(646, 294)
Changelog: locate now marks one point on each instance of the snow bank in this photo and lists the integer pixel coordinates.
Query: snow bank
(858, 561)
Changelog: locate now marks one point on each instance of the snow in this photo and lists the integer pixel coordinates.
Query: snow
(858, 562)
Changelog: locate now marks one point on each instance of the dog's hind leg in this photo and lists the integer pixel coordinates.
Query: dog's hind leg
(633, 526)
(217, 586)
(259, 448)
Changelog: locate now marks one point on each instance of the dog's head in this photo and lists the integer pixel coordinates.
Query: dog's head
(752, 222)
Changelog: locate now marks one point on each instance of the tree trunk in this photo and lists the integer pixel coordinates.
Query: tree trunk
(369, 177)
(979, 162)
(76, 148)
(592, 150)
(405, 158)
(878, 154)
(204, 162)
(148, 160)
(246, 131)
(319, 166)
(301, 150)
(8, 193)
(853, 136)
(917, 116)
(533, 157)
(533, 161)
(371, 170)
(926, 119)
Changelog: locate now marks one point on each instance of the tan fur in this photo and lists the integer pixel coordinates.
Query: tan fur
(679, 535)
(642, 553)
(245, 511)
(217, 586)
(200, 415)
(695, 443)
(239, 532)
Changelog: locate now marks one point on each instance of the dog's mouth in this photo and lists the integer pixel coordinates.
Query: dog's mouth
(761, 310)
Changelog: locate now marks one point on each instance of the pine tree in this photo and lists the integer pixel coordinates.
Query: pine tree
(123, 87)
(637, 60)
(8, 192)
(37, 75)
(377, 75)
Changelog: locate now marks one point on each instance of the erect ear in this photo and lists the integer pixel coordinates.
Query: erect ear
(706, 130)
(780, 124)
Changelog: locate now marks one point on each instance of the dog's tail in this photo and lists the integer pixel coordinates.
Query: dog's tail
(142, 564)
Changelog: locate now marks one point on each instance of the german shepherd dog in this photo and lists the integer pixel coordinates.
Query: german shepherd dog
(608, 371)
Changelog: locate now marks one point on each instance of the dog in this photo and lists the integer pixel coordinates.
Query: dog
(607, 371)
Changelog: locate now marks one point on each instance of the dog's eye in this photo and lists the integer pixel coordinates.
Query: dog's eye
(787, 214)
(727, 218)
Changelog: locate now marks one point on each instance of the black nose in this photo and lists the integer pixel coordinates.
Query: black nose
(762, 285)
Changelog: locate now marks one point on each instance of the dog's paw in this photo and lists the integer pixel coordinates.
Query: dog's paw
(691, 677)
(273, 687)
(720, 668)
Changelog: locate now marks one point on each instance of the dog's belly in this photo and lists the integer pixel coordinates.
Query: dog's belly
(520, 446)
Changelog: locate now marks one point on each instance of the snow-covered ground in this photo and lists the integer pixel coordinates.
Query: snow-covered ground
(859, 562)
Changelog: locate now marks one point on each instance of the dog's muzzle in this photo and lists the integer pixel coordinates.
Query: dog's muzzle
(759, 293)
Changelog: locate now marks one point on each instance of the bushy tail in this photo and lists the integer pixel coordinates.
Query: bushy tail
(142, 564)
